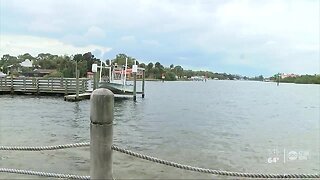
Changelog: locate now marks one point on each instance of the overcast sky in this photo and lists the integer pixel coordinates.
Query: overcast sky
(241, 36)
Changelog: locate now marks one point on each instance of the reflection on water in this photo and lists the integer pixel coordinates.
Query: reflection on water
(227, 125)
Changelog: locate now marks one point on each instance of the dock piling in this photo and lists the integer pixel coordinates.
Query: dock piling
(12, 88)
(77, 84)
(135, 86)
(101, 133)
(143, 79)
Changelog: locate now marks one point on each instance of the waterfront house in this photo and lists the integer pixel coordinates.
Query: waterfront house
(2, 75)
(26, 63)
(90, 75)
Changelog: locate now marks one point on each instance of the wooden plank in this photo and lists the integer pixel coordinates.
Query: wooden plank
(43, 85)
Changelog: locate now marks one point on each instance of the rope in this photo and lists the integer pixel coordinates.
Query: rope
(149, 158)
(44, 174)
(210, 171)
(43, 148)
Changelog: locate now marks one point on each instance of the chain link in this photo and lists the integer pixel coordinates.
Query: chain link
(145, 157)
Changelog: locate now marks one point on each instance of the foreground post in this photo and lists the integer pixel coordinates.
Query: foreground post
(101, 134)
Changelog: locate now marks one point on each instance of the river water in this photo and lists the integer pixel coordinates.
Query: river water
(226, 125)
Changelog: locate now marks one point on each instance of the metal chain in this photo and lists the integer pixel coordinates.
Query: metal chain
(44, 174)
(160, 161)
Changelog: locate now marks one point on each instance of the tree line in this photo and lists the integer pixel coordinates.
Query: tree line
(303, 79)
(64, 66)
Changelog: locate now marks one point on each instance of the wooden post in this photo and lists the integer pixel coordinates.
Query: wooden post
(77, 84)
(24, 83)
(101, 133)
(143, 79)
(135, 86)
(34, 85)
(61, 82)
(85, 85)
(11, 77)
(94, 80)
(51, 84)
(38, 85)
(66, 86)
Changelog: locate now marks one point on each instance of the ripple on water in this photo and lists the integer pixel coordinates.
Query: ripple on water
(222, 125)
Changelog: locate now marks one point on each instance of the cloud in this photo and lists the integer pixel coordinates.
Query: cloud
(151, 42)
(129, 38)
(92, 35)
(20, 44)
(269, 35)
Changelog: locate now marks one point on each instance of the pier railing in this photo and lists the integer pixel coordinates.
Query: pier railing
(101, 148)
(42, 85)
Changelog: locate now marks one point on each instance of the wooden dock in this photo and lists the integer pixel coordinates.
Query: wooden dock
(87, 95)
(66, 87)
(80, 97)
(42, 86)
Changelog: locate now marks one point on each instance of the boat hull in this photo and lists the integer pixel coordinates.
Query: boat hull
(117, 88)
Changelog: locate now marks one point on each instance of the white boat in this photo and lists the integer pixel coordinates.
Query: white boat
(119, 86)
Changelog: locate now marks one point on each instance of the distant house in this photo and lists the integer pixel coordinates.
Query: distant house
(2, 75)
(39, 72)
(26, 63)
(90, 75)
(118, 72)
(283, 75)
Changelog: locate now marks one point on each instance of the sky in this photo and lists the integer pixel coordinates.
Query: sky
(245, 37)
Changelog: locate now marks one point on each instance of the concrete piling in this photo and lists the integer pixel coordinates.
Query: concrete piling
(101, 133)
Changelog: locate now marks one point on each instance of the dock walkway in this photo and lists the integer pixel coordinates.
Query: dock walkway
(42, 86)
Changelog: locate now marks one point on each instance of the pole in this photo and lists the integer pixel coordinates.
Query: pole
(125, 72)
(278, 79)
(94, 80)
(110, 68)
(100, 71)
(77, 84)
(101, 133)
(11, 77)
(143, 79)
(134, 86)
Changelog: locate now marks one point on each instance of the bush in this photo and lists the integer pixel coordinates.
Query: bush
(54, 74)
(170, 76)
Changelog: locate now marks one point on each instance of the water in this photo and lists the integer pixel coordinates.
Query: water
(226, 125)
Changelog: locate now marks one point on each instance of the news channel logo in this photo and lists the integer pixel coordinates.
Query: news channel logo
(287, 156)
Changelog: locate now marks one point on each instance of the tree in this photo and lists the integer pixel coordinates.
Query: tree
(179, 71)
(150, 66)
(6, 61)
(142, 65)
(25, 56)
(149, 70)
(170, 76)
